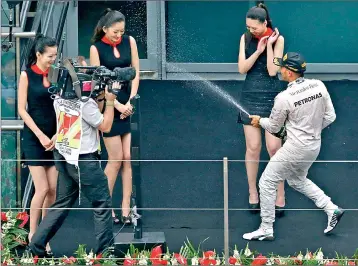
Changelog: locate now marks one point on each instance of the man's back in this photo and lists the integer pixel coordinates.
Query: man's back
(77, 124)
(310, 109)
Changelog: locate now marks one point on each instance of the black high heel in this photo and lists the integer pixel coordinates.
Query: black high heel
(127, 220)
(115, 219)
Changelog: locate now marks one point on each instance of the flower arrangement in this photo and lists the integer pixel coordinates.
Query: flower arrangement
(14, 235)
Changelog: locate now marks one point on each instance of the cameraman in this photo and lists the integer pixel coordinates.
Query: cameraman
(84, 173)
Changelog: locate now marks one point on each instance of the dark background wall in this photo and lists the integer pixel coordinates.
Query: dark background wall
(182, 120)
(318, 29)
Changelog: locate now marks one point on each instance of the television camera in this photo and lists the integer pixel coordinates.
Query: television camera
(71, 80)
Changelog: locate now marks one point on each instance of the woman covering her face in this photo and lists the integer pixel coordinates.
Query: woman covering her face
(258, 46)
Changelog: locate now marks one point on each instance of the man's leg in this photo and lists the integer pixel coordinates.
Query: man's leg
(66, 195)
(302, 184)
(94, 185)
(275, 172)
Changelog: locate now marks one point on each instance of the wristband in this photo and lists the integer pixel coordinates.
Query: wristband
(110, 103)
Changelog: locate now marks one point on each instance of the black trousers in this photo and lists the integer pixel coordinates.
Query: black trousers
(94, 186)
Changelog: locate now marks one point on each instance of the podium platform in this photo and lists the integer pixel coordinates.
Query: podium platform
(149, 240)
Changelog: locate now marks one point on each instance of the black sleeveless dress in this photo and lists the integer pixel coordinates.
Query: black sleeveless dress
(259, 89)
(107, 59)
(40, 108)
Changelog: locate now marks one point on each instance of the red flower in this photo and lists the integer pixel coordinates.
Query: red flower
(129, 262)
(332, 263)
(351, 263)
(3, 217)
(155, 255)
(180, 259)
(232, 260)
(203, 261)
(70, 260)
(208, 258)
(259, 260)
(297, 261)
(209, 254)
(96, 258)
(36, 259)
(24, 217)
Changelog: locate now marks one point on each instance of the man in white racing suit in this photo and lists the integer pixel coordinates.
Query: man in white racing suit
(303, 109)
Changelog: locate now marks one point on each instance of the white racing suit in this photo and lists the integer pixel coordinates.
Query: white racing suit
(304, 108)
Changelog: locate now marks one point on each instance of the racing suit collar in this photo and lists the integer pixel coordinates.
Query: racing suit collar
(296, 81)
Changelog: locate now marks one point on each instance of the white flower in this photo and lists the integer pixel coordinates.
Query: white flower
(319, 256)
(91, 255)
(299, 256)
(174, 261)
(247, 252)
(218, 261)
(269, 262)
(236, 254)
(308, 256)
(27, 260)
(9, 262)
(194, 261)
(143, 261)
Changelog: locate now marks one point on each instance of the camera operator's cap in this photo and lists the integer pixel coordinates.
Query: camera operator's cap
(292, 61)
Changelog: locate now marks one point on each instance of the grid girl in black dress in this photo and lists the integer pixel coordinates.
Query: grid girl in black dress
(112, 48)
(39, 117)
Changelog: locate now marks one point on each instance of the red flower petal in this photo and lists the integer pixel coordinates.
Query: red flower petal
(232, 260)
(209, 253)
(3, 217)
(24, 217)
(155, 255)
(260, 260)
(129, 262)
(180, 259)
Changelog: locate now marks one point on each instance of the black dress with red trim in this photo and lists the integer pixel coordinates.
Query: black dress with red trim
(107, 52)
(40, 108)
(259, 89)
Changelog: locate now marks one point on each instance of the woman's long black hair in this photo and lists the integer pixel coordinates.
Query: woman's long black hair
(40, 44)
(108, 18)
(260, 13)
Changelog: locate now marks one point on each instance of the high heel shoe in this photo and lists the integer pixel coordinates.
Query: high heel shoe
(126, 220)
(115, 219)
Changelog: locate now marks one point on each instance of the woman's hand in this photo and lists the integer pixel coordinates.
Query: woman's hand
(45, 141)
(273, 37)
(128, 112)
(53, 140)
(125, 109)
(262, 44)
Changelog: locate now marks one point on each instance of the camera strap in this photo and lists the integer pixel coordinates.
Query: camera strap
(75, 81)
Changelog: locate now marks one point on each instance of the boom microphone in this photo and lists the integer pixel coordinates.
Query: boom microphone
(125, 73)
